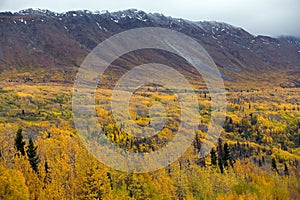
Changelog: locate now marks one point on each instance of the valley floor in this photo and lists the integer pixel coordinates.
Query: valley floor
(257, 156)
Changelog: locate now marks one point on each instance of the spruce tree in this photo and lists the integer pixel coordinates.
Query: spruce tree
(220, 149)
(32, 156)
(226, 158)
(220, 155)
(47, 178)
(286, 169)
(19, 143)
(274, 165)
(197, 143)
(220, 163)
(213, 157)
(259, 163)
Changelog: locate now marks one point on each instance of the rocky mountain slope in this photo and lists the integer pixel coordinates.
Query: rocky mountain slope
(44, 39)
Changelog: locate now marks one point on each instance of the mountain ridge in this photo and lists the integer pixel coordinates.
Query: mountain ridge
(49, 39)
(47, 12)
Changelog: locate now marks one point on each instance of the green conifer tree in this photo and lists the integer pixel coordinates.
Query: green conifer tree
(220, 163)
(19, 143)
(213, 157)
(226, 158)
(32, 156)
(286, 169)
(274, 165)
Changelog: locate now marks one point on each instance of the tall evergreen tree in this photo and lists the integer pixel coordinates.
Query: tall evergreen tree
(220, 155)
(197, 143)
(274, 165)
(47, 178)
(19, 143)
(33, 156)
(259, 163)
(220, 163)
(286, 169)
(226, 158)
(213, 157)
(220, 149)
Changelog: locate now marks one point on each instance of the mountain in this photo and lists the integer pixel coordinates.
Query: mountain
(41, 39)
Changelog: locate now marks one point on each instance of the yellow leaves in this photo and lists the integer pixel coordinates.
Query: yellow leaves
(24, 95)
(296, 151)
(259, 184)
(163, 182)
(284, 155)
(142, 121)
(31, 178)
(76, 174)
(12, 184)
(247, 196)
(267, 139)
(90, 180)
(41, 124)
(235, 118)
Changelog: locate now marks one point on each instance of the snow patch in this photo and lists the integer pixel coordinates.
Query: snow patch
(115, 20)
(103, 11)
(139, 17)
(99, 26)
(212, 30)
(97, 12)
(23, 21)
